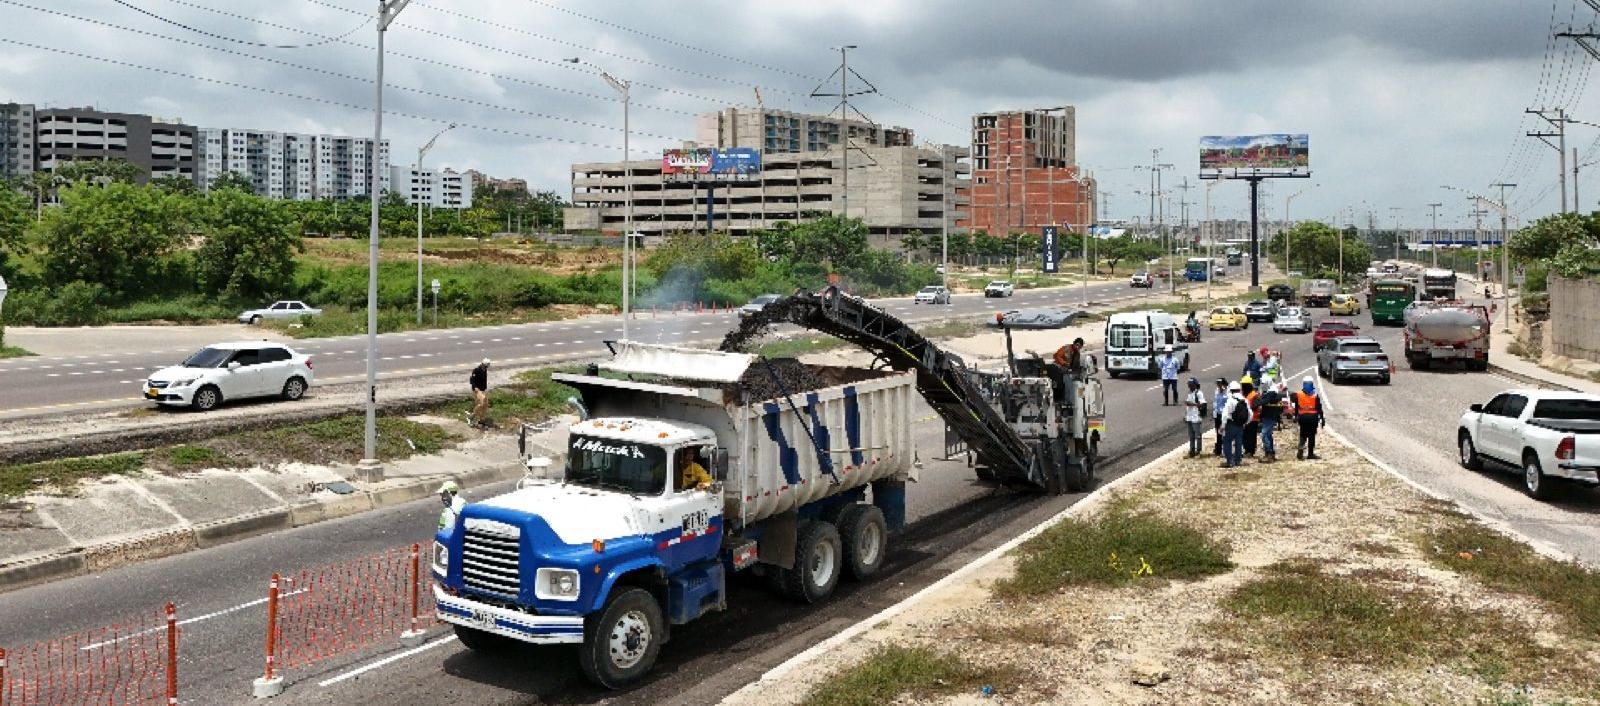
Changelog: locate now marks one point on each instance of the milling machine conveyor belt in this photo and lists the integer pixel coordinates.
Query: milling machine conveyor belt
(941, 376)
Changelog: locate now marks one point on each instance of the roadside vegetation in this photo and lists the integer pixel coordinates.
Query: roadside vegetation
(1118, 548)
(61, 475)
(893, 671)
(1568, 589)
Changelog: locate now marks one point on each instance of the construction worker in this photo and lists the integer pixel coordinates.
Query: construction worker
(1193, 412)
(450, 497)
(1270, 372)
(1219, 399)
(1252, 427)
(690, 473)
(1269, 409)
(1169, 365)
(1070, 356)
(1252, 367)
(1235, 413)
(479, 381)
(1307, 407)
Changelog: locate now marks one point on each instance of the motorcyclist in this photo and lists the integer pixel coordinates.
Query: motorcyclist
(1193, 325)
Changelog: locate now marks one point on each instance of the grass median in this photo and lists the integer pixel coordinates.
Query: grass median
(1119, 548)
(894, 671)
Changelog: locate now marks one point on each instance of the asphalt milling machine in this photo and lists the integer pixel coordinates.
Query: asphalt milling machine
(1032, 426)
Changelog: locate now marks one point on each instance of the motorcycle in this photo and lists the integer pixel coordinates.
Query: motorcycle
(1189, 332)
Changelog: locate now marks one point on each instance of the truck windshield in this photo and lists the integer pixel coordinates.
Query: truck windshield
(1127, 336)
(617, 465)
(1568, 409)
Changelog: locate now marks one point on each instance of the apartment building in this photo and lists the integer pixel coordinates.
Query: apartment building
(291, 165)
(16, 140)
(484, 181)
(156, 146)
(784, 131)
(1025, 173)
(436, 188)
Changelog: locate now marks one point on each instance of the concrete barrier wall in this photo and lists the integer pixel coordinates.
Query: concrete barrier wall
(1574, 325)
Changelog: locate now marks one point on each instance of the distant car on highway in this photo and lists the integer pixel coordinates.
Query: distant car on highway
(1220, 271)
(998, 288)
(1260, 310)
(1344, 305)
(1141, 279)
(1231, 318)
(932, 295)
(1330, 329)
(756, 305)
(1546, 434)
(1280, 292)
(1353, 357)
(286, 309)
(1038, 318)
(1291, 319)
(229, 371)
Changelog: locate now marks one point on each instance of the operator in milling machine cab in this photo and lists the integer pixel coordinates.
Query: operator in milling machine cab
(1068, 360)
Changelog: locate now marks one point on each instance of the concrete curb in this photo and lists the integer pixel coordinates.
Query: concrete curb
(1530, 380)
(1090, 502)
(76, 561)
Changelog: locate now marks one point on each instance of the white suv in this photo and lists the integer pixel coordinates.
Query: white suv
(998, 288)
(227, 371)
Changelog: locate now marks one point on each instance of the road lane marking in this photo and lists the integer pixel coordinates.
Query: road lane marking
(386, 661)
(189, 621)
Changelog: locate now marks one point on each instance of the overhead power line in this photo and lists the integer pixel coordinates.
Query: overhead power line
(226, 38)
(301, 96)
(328, 72)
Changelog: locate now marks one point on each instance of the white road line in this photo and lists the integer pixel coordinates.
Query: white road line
(387, 660)
(190, 621)
(1208, 367)
(52, 375)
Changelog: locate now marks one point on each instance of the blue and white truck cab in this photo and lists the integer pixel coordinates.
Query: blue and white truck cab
(622, 546)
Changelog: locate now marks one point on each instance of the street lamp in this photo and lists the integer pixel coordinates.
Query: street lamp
(1211, 270)
(622, 88)
(369, 467)
(1287, 267)
(417, 174)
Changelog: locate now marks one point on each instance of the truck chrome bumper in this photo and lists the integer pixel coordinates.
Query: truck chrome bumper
(1580, 473)
(526, 627)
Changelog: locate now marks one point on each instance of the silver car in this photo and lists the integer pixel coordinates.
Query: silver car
(756, 305)
(932, 295)
(286, 309)
(1291, 319)
(1353, 357)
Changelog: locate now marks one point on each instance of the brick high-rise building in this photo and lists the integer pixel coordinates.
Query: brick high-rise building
(1025, 173)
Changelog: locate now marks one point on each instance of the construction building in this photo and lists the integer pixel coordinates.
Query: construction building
(894, 186)
(16, 140)
(434, 188)
(1025, 174)
(157, 147)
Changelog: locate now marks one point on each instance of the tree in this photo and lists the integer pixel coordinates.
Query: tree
(233, 180)
(16, 212)
(1545, 238)
(113, 235)
(1315, 250)
(249, 248)
(176, 184)
(911, 242)
(831, 241)
(100, 171)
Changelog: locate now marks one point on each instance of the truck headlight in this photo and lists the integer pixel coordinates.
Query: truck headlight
(556, 584)
(441, 558)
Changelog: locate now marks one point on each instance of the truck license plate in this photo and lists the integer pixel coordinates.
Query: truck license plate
(482, 619)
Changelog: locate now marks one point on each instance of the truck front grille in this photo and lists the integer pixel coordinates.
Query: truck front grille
(489, 562)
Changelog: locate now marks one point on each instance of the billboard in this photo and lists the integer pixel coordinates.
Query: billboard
(1047, 250)
(1278, 152)
(709, 164)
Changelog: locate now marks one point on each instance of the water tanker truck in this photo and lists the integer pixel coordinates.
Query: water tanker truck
(1447, 330)
(806, 470)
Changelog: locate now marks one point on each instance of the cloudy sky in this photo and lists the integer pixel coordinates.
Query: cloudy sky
(1399, 97)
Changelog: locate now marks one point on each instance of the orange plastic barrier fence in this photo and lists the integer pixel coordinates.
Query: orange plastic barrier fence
(132, 661)
(322, 612)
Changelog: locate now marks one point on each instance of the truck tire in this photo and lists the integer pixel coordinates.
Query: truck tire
(1470, 459)
(866, 540)
(818, 561)
(1534, 482)
(621, 642)
(985, 473)
(483, 641)
(1478, 365)
(1080, 472)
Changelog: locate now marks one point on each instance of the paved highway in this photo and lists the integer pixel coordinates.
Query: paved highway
(107, 376)
(954, 519)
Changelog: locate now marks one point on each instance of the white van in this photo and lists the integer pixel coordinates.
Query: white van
(1134, 341)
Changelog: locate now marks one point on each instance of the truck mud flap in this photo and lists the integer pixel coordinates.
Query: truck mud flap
(776, 546)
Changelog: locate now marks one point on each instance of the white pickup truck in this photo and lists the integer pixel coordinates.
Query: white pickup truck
(1547, 434)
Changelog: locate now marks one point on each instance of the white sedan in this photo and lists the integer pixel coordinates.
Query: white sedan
(227, 371)
(286, 309)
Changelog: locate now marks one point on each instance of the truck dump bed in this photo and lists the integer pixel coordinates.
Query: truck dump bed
(794, 433)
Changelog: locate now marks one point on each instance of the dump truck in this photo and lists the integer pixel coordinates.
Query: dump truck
(1447, 330)
(804, 472)
(1317, 292)
(1438, 284)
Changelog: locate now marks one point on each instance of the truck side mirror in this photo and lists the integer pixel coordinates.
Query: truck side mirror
(719, 463)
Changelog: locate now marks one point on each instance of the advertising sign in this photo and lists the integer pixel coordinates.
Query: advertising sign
(1278, 152)
(707, 164)
(1047, 250)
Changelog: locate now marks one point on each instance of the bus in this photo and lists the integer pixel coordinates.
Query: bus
(1389, 299)
(1197, 269)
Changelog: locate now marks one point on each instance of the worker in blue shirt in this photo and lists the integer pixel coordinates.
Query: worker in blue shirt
(1169, 378)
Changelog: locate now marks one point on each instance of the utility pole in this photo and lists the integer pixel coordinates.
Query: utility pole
(1287, 265)
(1559, 123)
(1505, 260)
(1396, 211)
(423, 152)
(1433, 247)
(623, 89)
(844, 72)
(370, 468)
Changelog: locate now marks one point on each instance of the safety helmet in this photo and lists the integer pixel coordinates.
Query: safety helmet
(1234, 387)
(449, 486)
(1168, 349)
(1247, 380)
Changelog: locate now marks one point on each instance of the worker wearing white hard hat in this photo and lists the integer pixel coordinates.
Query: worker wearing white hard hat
(450, 497)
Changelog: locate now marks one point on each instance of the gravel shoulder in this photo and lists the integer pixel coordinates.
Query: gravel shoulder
(1394, 611)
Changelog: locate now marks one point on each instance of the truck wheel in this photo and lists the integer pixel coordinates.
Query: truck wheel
(818, 559)
(985, 473)
(1533, 481)
(866, 540)
(620, 646)
(1469, 452)
(1478, 365)
(482, 641)
(1080, 473)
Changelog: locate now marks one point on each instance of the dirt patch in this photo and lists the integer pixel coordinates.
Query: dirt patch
(1347, 587)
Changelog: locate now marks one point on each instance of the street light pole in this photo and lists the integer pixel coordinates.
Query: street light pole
(623, 89)
(369, 467)
(1433, 248)
(1286, 201)
(1505, 261)
(1211, 242)
(417, 174)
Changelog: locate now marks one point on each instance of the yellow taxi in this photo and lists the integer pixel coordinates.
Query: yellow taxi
(1231, 318)
(1344, 305)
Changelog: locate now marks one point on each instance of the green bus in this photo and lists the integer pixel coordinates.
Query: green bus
(1387, 300)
